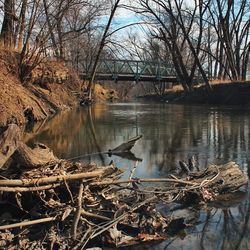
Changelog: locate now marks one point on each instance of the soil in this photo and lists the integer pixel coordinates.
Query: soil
(53, 86)
(223, 93)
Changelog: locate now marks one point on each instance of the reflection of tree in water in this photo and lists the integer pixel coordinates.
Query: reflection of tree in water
(170, 133)
(174, 134)
(225, 228)
(213, 136)
(229, 228)
(59, 132)
(91, 137)
(83, 131)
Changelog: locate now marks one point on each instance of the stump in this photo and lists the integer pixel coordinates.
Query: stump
(37, 157)
(9, 142)
(13, 151)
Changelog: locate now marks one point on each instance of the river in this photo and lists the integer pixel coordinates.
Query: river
(170, 133)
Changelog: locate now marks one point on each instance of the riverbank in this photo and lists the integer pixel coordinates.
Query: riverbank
(52, 87)
(223, 93)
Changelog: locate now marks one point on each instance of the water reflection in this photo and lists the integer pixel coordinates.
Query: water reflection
(170, 133)
(216, 228)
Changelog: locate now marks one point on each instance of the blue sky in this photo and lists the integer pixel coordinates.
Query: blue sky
(123, 17)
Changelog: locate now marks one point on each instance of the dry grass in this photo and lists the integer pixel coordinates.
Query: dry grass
(178, 88)
(175, 89)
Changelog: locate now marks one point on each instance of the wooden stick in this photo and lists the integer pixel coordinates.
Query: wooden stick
(95, 216)
(28, 223)
(132, 172)
(55, 179)
(103, 183)
(78, 211)
(27, 189)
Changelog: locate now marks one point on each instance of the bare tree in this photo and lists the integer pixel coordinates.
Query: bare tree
(231, 23)
(175, 24)
(101, 46)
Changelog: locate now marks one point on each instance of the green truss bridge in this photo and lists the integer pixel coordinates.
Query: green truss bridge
(130, 70)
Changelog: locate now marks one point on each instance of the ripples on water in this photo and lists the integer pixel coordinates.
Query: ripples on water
(170, 133)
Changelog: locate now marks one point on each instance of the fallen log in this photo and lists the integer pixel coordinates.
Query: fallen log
(141, 180)
(223, 178)
(20, 154)
(229, 177)
(9, 142)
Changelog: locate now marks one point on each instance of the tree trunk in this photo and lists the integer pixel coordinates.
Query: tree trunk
(19, 31)
(22, 25)
(50, 27)
(7, 32)
(101, 46)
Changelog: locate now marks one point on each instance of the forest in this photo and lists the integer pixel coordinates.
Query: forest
(209, 39)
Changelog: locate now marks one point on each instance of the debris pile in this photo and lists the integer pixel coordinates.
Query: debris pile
(70, 205)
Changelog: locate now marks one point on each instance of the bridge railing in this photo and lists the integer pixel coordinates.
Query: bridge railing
(137, 69)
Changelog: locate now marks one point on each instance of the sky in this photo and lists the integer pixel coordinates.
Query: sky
(125, 16)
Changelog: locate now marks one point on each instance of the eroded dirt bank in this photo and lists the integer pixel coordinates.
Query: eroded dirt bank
(50, 89)
(53, 86)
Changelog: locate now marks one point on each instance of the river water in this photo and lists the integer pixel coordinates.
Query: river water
(170, 133)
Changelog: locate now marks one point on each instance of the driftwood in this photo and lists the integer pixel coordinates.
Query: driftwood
(184, 167)
(126, 155)
(126, 146)
(28, 189)
(220, 179)
(78, 211)
(9, 141)
(37, 157)
(28, 223)
(56, 179)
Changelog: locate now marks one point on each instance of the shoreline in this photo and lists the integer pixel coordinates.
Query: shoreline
(224, 94)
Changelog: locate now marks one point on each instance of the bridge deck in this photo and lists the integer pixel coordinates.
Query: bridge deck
(130, 70)
(129, 77)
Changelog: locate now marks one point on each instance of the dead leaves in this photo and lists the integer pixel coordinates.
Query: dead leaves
(5, 238)
(142, 237)
(120, 239)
